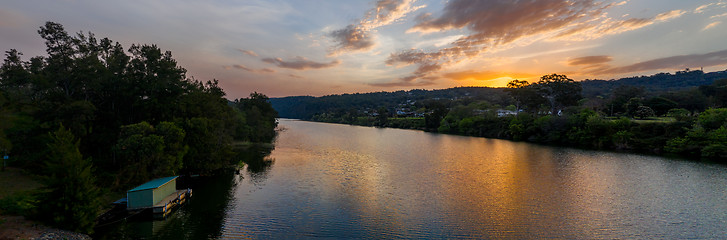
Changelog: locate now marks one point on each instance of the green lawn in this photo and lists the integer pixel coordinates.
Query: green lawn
(647, 120)
(406, 118)
(655, 120)
(14, 180)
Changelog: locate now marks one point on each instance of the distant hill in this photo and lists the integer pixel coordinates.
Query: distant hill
(304, 107)
(654, 84)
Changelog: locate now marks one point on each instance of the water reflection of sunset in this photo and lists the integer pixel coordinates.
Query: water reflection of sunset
(388, 183)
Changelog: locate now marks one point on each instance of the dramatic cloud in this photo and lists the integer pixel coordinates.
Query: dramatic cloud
(492, 23)
(358, 37)
(495, 23)
(601, 27)
(589, 60)
(300, 63)
(352, 38)
(506, 21)
(675, 62)
(248, 52)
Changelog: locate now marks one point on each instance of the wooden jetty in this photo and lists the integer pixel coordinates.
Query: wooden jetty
(164, 207)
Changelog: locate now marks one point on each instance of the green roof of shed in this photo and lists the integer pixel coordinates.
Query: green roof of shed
(153, 184)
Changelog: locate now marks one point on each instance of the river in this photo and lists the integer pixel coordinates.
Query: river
(340, 181)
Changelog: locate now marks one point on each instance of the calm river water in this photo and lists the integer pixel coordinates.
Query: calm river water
(340, 181)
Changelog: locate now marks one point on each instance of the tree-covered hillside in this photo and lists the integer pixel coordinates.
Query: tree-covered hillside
(305, 107)
(654, 84)
(92, 113)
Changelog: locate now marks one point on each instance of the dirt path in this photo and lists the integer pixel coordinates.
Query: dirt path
(17, 227)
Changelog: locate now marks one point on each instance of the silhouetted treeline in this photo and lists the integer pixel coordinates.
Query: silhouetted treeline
(133, 114)
(305, 107)
(680, 87)
(553, 111)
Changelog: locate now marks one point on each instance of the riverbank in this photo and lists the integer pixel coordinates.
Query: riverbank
(18, 227)
(585, 130)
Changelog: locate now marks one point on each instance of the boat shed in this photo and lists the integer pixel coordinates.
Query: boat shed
(150, 193)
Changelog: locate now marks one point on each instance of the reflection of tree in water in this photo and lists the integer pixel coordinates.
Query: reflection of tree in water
(259, 170)
(257, 161)
(201, 217)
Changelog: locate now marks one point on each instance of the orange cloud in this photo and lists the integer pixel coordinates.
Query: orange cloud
(485, 75)
(358, 37)
(609, 26)
(711, 25)
(492, 23)
(495, 23)
(707, 7)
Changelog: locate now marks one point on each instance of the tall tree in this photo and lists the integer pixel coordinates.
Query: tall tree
(72, 201)
(620, 97)
(524, 94)
(559, 90)
(157, 150)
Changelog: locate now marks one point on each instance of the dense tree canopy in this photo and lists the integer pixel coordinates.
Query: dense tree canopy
(134, 112)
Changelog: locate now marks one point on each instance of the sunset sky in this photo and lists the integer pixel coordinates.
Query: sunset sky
(316, 47)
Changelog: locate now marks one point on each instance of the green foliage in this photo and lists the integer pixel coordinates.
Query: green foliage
(210, 149)
(644, 112)
(660, 105)
(72, 201)
(713, 118)
(706, 138)
(654, 84)
(524, 94)
(406, 123)
(716, 150)
(159, 151)
(621, 139)
(382, 117)
(559, 91)
(305, 107)
(95, 87)
(22, 204)
(633, 105)
(621, 96)
(680, 114)
(260, 118)
(138, 114)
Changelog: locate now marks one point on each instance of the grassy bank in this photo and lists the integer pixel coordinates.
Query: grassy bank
(15, 181)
